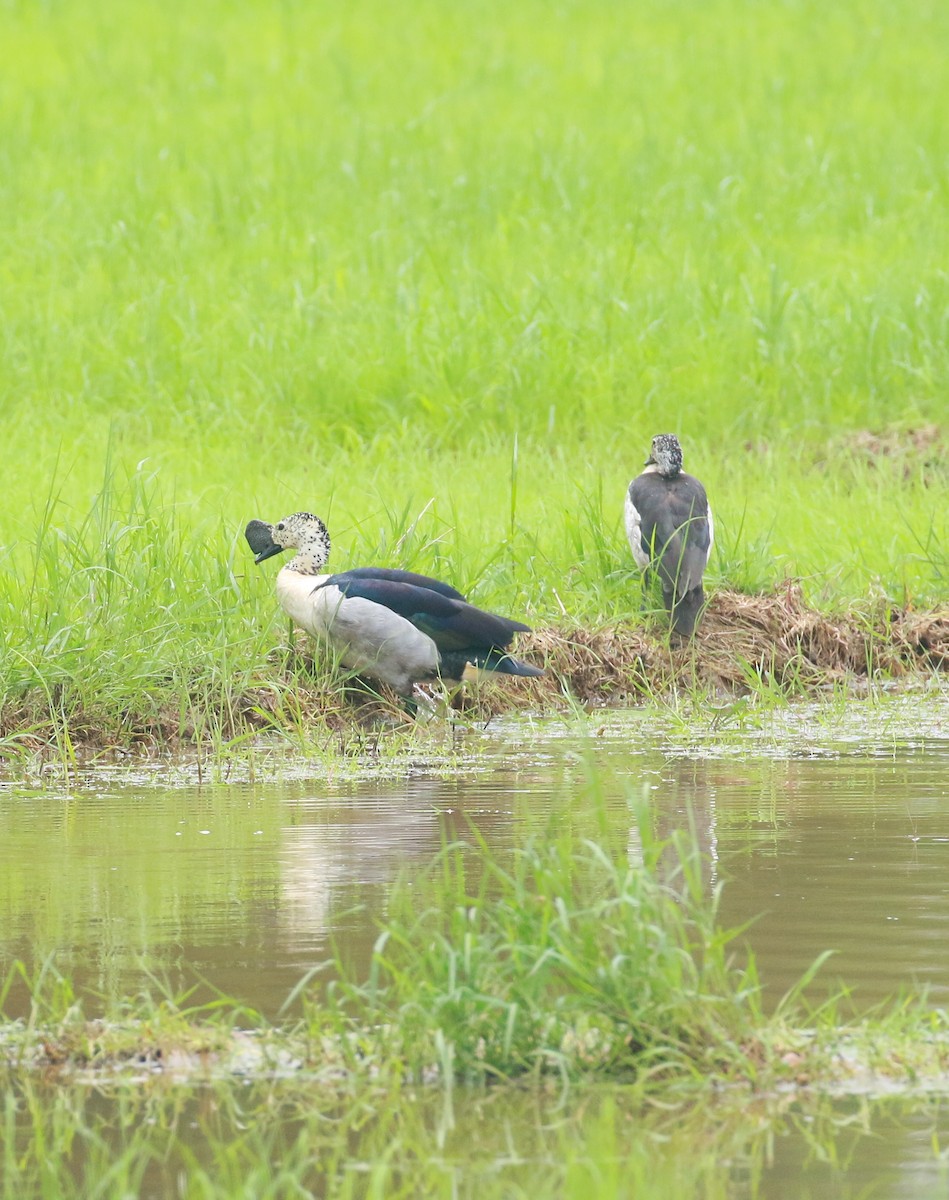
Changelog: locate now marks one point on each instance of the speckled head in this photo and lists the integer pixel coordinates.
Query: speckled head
(302, 532)
(666, 455)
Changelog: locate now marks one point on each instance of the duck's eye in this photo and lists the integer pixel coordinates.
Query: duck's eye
(280, 527)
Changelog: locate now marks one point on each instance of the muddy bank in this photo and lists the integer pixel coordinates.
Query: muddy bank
(745, 643)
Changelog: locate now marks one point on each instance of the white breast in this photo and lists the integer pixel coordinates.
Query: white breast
(368, 637)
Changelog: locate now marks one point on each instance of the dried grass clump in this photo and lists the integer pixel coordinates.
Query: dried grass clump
(780, 637)
(743, 642)
(592, 665)
(896, 443)
(915, 452)
(775, 637)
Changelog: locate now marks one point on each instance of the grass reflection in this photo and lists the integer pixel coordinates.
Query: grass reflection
(284, 1138)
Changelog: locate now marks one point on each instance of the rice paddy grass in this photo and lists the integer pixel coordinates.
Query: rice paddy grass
(439, 274)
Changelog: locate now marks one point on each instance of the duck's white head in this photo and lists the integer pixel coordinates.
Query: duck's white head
(301, 531)
(666, 455)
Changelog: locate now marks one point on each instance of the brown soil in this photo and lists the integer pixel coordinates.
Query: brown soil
(742, 642)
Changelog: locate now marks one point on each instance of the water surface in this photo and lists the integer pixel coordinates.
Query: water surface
(826, 842)
(830, 830)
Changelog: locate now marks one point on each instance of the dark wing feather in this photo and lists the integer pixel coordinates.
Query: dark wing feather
(394, 575)
(674, 527)
(468, 628)
(451, 624)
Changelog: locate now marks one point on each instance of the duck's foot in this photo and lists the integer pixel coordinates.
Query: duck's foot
(421, 706)
(435, 704)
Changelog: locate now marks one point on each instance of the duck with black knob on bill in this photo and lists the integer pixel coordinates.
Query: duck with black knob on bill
(391, 625)
(670, 531)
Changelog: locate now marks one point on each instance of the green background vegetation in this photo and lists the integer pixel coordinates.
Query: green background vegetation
(438, 271)
(458, 260)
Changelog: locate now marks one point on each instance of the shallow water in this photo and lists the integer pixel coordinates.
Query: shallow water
(829, 842)
(830, 830)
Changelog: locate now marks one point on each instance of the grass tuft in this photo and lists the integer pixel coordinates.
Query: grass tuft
(568, 960)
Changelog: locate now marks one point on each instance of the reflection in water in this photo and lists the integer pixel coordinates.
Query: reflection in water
(489, 1144)
(240, 885)
(848, 854)
(246, 886)
(320, 860)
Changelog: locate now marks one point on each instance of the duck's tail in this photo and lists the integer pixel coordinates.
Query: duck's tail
(686, 609)
(453, 663)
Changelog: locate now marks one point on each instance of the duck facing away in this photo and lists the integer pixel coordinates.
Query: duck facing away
(670, 530)
(394, 626)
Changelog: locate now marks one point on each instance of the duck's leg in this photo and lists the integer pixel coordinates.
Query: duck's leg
(649, 576)
(421, 706)
(441, 704)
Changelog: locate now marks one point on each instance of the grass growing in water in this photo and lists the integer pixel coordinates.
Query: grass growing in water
(564, 956)
(569, 960)
(277, 1139)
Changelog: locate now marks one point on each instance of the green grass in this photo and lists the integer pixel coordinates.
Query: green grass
(439, 273)
(559, 958)
(277, 1140)
(569, 961)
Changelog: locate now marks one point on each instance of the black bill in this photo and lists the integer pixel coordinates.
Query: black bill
(260, 539)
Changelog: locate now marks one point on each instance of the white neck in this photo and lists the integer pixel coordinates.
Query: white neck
(309, 560)
(666, 474)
